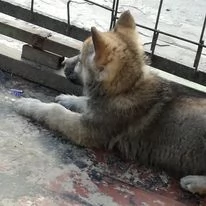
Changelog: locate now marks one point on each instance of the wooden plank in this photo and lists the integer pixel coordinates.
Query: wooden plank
(41, 57)
(191, 86)
(10, 61)
(38, 36)
(178, 69)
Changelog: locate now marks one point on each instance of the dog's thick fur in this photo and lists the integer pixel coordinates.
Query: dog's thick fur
(129, 109)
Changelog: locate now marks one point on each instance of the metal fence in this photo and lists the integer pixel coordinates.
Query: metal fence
(192, 75)
(156, 31)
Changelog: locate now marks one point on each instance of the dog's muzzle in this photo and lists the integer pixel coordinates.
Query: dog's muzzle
(69, 69)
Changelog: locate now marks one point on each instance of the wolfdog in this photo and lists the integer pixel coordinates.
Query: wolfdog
(128, 108)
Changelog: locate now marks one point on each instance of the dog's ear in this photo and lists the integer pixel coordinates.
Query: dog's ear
(126, 21)
(98, 41)
(101, 52)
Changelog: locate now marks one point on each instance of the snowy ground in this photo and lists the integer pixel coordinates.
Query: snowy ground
(180, 17)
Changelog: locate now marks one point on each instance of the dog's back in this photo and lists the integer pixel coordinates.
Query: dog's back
(154, 124)
(176, 140)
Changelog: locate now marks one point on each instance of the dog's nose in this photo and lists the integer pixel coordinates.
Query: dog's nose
(72, 77)
(75, 78)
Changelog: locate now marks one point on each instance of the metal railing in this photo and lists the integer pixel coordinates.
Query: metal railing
(156, 31)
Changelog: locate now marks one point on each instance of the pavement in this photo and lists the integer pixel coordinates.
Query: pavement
(39, 168)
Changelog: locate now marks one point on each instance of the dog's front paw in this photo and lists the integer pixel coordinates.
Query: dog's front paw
(68, 101)
(26, 106)
(194, 184)
(61, 97)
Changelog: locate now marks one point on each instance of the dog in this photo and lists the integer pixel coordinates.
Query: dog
(128, 108)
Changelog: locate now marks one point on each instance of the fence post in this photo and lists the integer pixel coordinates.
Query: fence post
(32, 6)
(112, 15)
(200, 47)
(156, 33)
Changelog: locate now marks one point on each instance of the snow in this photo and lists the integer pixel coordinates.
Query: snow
(179, 17)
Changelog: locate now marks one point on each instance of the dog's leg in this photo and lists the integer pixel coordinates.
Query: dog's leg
(57, 118)
(194, 184)
(73, 103)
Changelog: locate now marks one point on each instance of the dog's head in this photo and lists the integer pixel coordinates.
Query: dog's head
(112, 59)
